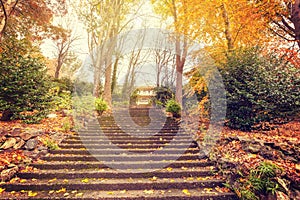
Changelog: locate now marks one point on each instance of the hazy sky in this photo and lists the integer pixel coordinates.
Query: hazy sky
(146, 18)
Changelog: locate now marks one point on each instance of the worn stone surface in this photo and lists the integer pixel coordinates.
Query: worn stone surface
(31, 144)
(7, 174)
(10, 142)
(2, 138)
(19, 145)
(26, 136)
(253, 148)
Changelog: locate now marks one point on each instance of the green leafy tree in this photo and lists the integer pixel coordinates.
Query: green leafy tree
(259, 88)
(23, 82)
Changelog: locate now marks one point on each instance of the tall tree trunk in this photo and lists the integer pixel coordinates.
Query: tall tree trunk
(180, 61)
(58, 68)
(114, 76)
(227, 28)
(107, 84)
(296, 20)
(181, 53)
(97, 72)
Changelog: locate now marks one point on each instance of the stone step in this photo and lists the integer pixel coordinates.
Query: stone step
(125, 146)
(130, 131)
(138, 165)
(122, 137)
(205, 172)
(110, 151)
(157, 141)
(171, 194)
(121, 157)
(112, 184)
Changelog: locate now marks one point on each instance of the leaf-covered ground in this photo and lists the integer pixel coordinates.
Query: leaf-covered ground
(246, 150)
(50, 131)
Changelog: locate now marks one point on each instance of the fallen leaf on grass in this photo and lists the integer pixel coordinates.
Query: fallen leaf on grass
(297, 167)
(222, 189)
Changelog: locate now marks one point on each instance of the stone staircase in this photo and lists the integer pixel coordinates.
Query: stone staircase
(120, 162)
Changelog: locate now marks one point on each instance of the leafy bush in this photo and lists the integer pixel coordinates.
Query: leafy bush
(162, 95)
(133, 97)
(64, 84)
(262, 180)
(259, 88)
(52, 145)
(61, 101)
(173, 107)
(100, 105)
(24, 90)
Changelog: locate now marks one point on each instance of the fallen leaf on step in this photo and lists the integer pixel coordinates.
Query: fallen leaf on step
(148, 191)
(123, 191)
(86, 180)
(61, 190)
(79, 194)
(32, 194)
(22, 180)
(186, 192)
(154, 178)
(169, 169)
(52, 180)
(110, 193)
(2, 190)
(208, 190)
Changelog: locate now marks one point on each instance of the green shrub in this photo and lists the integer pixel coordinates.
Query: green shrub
(259, 88)
(162, 96)
(173, 107)
(100, 105)
(262, 180)
(64, 84)
(52, 145)
(61, 101)
(24, 90)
